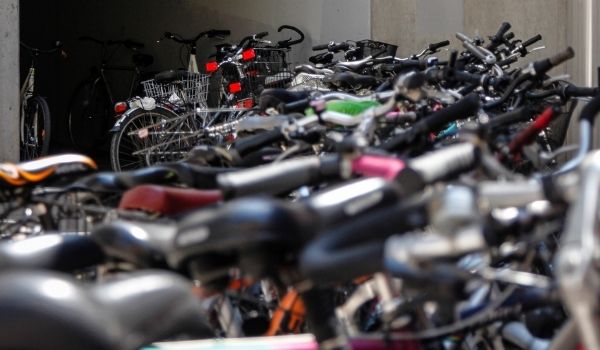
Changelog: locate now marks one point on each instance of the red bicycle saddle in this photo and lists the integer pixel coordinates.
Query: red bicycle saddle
(167, 200)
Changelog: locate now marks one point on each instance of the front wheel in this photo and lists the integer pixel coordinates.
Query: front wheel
(35, 128)
(148, 137)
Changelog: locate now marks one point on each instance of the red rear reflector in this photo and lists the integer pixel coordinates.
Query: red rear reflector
(234, 88)
(121, 107)
(248, 55)
(211, 66)
(246, 103)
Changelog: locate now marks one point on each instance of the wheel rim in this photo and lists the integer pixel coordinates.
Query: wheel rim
(137, 136)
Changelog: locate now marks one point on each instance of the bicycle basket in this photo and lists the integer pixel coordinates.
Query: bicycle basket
(269, 69)
(370, 47)
(193, 90)
(308, 82)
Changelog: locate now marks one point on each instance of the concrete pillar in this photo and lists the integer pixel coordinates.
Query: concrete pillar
(9, 80)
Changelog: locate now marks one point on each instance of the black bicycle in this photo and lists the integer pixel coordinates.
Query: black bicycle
(94, 99)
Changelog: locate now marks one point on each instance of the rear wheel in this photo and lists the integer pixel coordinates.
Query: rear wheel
(152, 137)
(35, 128)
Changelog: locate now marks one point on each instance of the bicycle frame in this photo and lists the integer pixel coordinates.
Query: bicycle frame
(134, 79)
(27, 90)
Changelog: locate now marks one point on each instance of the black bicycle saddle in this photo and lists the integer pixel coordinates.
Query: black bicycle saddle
(142, 244)
(59, 252)
(170, 76)
(42, 310)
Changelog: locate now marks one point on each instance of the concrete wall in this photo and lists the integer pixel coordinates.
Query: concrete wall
(9, 80)
(412, 24)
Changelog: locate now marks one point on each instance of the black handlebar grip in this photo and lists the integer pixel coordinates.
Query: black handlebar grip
(434, 47)
(448, 161)
(518, 115)
(504, 27)
(296, 106)
(261, 35)
(276, 178)
(218, 32)
(576, 91)
(252, 143)
(320, 47)
(590, 110)
(508, 61)
(169, 35)
(464, 108)
(532, 41)
(562, 56)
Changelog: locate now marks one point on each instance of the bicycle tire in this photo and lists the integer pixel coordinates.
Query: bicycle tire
(89, 115)
(128, 140)
(35, 113)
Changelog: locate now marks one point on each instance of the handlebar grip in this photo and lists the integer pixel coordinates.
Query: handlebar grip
(261, 35)
(462, 109)
(252, 143)
(532, 41)
(169, 35)
(438, 165)
(221, 32)
(518, 115)
(504, 27)
(508, 61)
(276, 178)
(590, 110)
(473, 49)
(436, 46)
(339, 47)
(320, 47)
(562, 56)
(296, 106)
(576, 91)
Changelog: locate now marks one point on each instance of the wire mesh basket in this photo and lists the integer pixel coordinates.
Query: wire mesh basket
(308, 82)
(269, 69)
(371, 47)
(192, 90)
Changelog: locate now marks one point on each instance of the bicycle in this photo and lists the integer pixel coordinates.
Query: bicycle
(34, 119)
(93, 101)
(175, 123)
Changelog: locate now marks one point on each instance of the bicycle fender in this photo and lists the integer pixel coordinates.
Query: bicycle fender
(122, 119)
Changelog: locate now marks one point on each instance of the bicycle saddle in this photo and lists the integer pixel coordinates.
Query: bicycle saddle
(43, 311)
(255, 233)
(167, 200)
(350, 80)
(170, 76)
(273, 98)
(60, 252)
(36, 171)
(142, 60)
(113, 181)
(144, 244)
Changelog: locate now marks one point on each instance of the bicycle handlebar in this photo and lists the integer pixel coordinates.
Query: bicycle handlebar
(57, 46)
(289, 42)
(209, 34)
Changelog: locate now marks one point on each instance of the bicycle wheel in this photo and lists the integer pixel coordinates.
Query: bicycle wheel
(89, 116)
(35, 128)
(152, 137)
